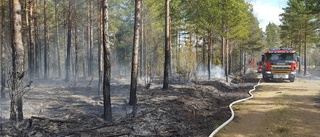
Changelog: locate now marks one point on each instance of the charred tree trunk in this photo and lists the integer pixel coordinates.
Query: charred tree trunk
(31, 39)
(305, 50)
(209, 53)
(107, 64)
(176, 58)
(197, 50)
(68, 60)
(223, 52)
(241, 59)
(204, 49)
(37, 45)
(45, 54)
(25, 30)
(230, 59)
(144, 43)
(135, 52)
(167, 47)
(57, 38)
(100, 56)
(76, 63)
(244, 62)
(3, 50)
(16, 113)
(89, 40)
(227, 60)
(140, 54)
(300, 50)
(305, 47)
(143, 66)
(170, 45)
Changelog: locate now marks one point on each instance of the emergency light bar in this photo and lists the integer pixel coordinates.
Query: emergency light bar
(281, 50)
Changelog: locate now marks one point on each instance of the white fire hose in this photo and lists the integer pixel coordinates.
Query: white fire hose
(232, 112)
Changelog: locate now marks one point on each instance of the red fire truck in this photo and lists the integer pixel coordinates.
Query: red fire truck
(279, 64)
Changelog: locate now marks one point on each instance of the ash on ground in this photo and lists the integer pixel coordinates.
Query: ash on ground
(186, 109)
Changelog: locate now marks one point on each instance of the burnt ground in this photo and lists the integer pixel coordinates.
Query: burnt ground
(53, 108)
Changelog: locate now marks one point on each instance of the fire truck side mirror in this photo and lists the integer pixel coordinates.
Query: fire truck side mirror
(298, 59)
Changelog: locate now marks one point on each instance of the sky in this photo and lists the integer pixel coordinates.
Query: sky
(268, 11)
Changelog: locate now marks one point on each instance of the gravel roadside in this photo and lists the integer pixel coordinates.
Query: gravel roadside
(279, 109)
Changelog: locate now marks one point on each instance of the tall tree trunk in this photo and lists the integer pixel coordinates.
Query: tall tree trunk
(305, 49)
(31, 39)
(76, 63)
(143, 46)
(90, 39)
(140, 54)
(83, 53)
(107, 64)
(170, 45)
(244, 62)
(16, 113)
(3, 50)
(300, 50)
(223, 37)
(65, 38)
(177, 50)
(100, 54)
(25, 32)
(222, 52)
(45, 54)
(167, 47)
(197, 50)
(144, 50)
(230, 59)
(135, 52)
(37, 43)
(241, 59)
(204, 49)
(209, 53)
(48, 52)
(227, 60)
(68, 61)
(57, 38)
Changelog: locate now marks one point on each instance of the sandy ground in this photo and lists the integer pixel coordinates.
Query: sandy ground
(279, 109)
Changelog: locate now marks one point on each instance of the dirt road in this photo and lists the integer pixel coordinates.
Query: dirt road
(278, 109)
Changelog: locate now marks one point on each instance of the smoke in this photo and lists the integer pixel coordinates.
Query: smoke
(216, 72)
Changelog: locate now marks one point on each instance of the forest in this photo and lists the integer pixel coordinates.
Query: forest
(142, 41)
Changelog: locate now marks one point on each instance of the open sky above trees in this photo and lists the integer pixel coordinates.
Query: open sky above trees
(268, 11)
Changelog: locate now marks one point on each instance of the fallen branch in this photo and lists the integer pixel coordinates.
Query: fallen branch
(118, 135)
(102, 126)
(107, 135)
(53, 120)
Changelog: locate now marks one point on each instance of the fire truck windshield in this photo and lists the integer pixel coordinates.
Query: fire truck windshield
(275, 57)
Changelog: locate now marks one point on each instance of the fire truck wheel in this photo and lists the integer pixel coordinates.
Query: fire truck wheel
(292, 80)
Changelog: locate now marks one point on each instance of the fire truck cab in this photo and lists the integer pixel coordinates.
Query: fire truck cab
(279, 64)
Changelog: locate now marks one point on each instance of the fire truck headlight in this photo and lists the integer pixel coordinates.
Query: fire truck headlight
(268, 72)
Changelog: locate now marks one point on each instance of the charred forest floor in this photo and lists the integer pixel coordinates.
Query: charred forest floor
(54, 108)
